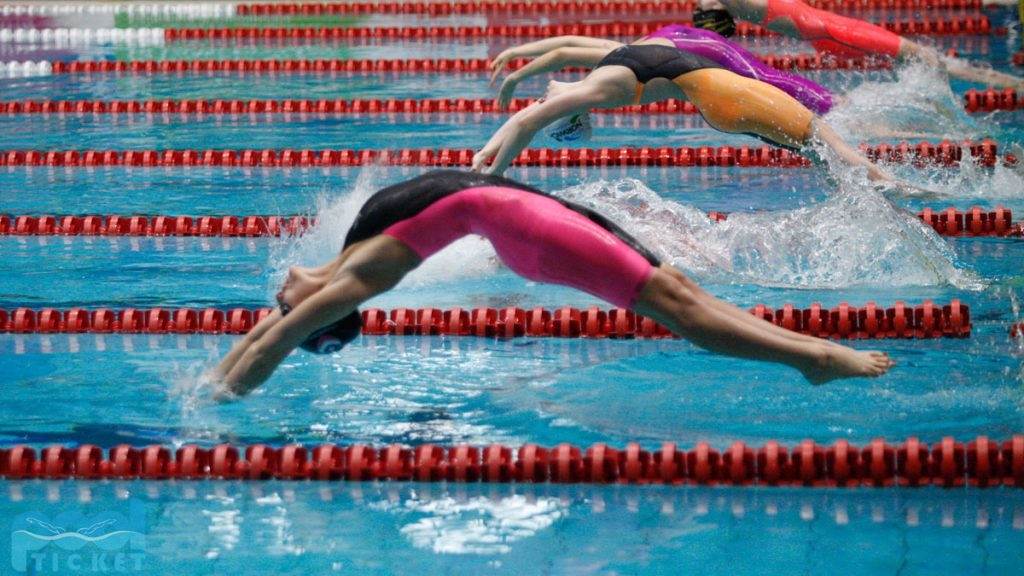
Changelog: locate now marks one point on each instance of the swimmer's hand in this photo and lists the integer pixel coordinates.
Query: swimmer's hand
(480, 161)
(508, 88)
(218, 391)
(223, 394)
(500, 62)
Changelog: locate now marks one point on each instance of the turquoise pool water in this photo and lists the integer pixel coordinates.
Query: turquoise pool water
(793, 236)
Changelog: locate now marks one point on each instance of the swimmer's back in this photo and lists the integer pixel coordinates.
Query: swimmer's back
(406, 199)
(650, 61)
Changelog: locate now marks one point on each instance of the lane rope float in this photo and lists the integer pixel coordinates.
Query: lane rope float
(945, 153)
(948, 463)
(189, 10)
(927, 320)
(976, 24)
(988, 100)
(950, 222)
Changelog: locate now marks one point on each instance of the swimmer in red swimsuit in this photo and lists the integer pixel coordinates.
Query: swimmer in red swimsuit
(838, 35)
(539, 237)
(654, 71)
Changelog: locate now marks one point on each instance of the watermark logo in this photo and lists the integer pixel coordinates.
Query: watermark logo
(72, 542)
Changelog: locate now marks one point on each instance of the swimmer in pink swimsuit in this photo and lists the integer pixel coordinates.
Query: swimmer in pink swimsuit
(837, 35)
(539, 237)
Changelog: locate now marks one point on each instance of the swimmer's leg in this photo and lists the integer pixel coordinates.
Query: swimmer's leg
(681, 306)
(735, 104)
(848, 154)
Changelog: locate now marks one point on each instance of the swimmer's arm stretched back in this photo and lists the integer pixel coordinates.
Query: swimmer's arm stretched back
(548, 62)
(532, 49)
(519, 130)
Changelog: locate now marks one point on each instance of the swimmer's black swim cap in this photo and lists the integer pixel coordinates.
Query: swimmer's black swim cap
(333, 337)
(717, 20)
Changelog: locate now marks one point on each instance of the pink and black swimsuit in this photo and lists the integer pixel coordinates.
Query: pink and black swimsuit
(539, 237)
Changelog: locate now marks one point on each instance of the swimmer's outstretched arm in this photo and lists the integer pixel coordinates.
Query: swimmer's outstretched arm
(964, 70)
(369, 268)
(532, 49)
(513, 136)
(238, 350)
(549, 62)
(958, 67)
(598, 90)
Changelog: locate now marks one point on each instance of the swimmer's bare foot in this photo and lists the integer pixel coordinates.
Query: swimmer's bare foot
(843, 362)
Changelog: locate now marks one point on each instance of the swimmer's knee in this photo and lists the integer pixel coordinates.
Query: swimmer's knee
(669, 288)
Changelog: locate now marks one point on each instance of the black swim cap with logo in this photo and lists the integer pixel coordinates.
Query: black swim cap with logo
(334, 337)
(717, 20)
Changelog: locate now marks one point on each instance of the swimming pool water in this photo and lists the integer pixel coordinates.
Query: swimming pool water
(793, 236)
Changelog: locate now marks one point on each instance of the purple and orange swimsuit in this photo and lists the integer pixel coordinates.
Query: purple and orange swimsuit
(732, 57)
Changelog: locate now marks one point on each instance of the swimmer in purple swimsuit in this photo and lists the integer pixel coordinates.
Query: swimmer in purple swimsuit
(838, 35)
(655, 70)
(540, 238)
(698, 41)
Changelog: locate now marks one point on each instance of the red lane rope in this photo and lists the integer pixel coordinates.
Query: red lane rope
(988, 100)
(979, 463)
(945, 153)
(968, 25)
(924, 321)
(546, 7)
(116, 225)
(457, 7)
(974, 222)
(308, 106)
(384, 65)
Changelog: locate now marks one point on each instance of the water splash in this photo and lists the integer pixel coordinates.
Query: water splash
(855, 237)
(921, 106)
(191, 393)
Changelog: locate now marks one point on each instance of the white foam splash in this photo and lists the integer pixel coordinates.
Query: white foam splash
(856, 237)
(921, 106)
